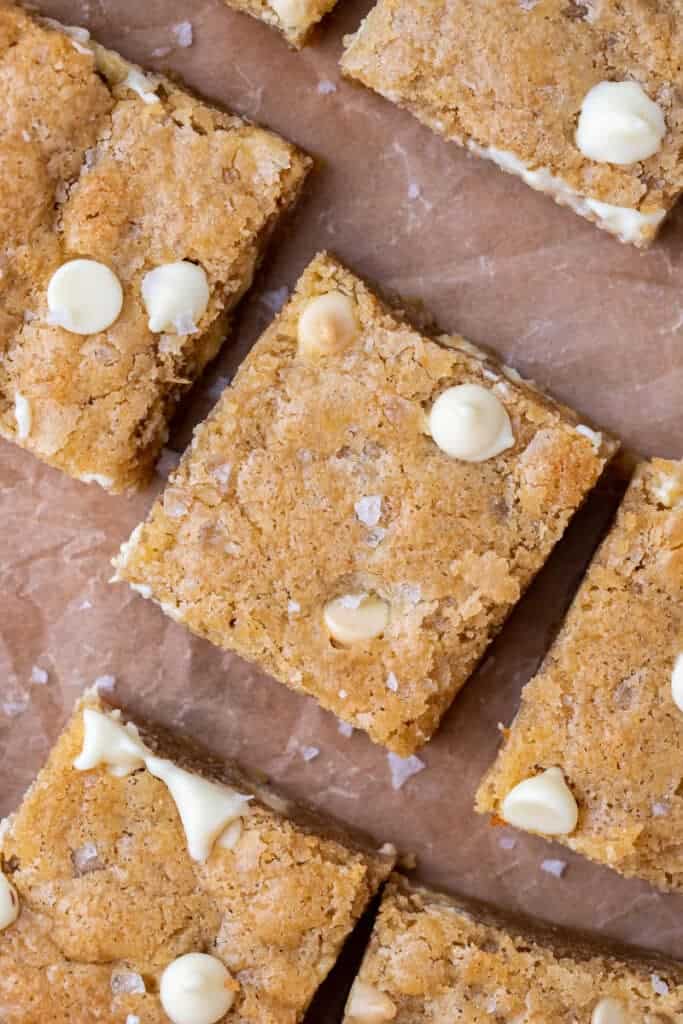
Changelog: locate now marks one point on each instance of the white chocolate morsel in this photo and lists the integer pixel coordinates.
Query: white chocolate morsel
(327, 325)
(619, 124)
(609, 1011)
(206, 809)
(84, 297)
(196, 989)
(469, 422)
(542, 804)
(677, 682)
(108, 742)
(367, 1005)
(668, 489)
(137, 82)
(292, 13)
(356, 618)
(22, 415)
(176, 296)
(9, 902)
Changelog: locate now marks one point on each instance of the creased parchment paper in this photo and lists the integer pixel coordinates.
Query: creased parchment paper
(597, 323)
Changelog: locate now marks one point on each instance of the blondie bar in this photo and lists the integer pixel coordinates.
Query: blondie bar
(579, 98)
(594, 757)
(363, 508)
(148, 883)
(295, 19)
(432, 959)
(133, 218)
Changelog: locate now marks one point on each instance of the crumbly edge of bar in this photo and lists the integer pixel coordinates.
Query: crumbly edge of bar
(296, 35)
(604, 216)
(194, 357)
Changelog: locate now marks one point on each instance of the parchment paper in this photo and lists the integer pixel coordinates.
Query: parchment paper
(597, 323)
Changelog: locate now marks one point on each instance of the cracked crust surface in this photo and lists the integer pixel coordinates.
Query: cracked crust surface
(275, 909)
(601, 705)
(512, 75)
(261, 513)
(437, 959)
(92, 170)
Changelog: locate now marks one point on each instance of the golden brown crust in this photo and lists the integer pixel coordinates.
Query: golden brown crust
(601, 706)
(512, 75)
(276, 909)
(261, 513)
(105, 175)
(439, 959)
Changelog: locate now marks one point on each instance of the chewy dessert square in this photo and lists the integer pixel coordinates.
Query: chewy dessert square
(433, 960)
(594, 757)
(315, 527)
(295, 19)
(132, 853)
(126, 205)
(510, 80)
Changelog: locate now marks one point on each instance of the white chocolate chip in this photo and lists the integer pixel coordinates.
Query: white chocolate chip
(543, 803)
(668, 490)
(22, 414)
(619, 124)
(196, 989)
(292, 13)
(609, 1011)
(327, 325)
(84, 297)
(358, 620)
(176, 296)
(9, 902)
(594, 436)
(367, 1005)
(469, 422)
(677, 682)
(107, 742)
(142, 85)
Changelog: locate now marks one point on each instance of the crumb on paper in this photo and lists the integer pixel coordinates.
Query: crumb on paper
(310, 753)
(554, 867)
(15, 706)
(414, 190)
(659, 985)
(325, 87)
(39, 675)
(507, 842)
(105, 684)
(345, 729)
(84, 605)
(403, 768)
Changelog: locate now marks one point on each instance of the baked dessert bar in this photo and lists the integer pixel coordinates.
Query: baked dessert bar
(594, 757)
(133, 218)
(144, 882)
(579, 98)
(363, 508)
(295, 19)
(433, 959)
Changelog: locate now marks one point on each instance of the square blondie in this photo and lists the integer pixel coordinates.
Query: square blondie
(133, 219)
(316, 528)
(579, 98)
(294, 19)
(132, 853)
(433, 959)
(594, 757)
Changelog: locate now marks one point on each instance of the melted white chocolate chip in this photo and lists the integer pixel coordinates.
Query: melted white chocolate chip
(469, 422)
(542, 804)
(367, 1005)
(327, 325)
(84, 297)
(9, 902)
(206, 809)
(609, 1011)
(677, 682)
(176, 296)
(196, 989)
(619, 124)
(356, 618)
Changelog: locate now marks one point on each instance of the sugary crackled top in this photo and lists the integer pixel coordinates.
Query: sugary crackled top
(317, 478)
(109, 896)
(430, 961)
(513, 74)
(602, 708)
(133, 175)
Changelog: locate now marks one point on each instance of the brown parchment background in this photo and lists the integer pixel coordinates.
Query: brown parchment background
(597, 323)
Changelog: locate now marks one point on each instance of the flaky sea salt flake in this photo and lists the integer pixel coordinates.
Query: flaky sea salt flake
(392, 682)
(183, 33)
(659, 986)
(310, 753)
(127, 983)
(403, 768)
(369, 509)
(554, 867)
